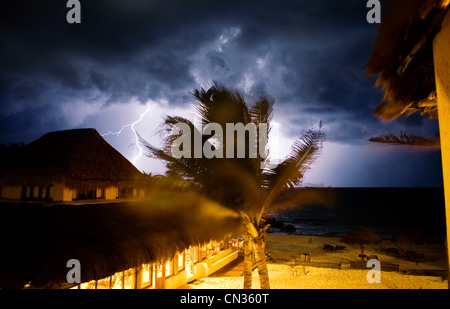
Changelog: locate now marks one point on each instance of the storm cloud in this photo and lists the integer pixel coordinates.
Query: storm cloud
(308, 55)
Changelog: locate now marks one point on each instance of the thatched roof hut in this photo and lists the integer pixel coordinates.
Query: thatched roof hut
(403, 57)
(410, 235)
(79, 158)
(38, 241)
(361, 236)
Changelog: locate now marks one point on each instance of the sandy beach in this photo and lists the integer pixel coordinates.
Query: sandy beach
(285, 273)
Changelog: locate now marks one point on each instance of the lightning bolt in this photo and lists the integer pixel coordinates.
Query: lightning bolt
(137, 148)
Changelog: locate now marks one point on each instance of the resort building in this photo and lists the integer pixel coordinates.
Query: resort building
(192, 264)
(69, 165)
(166, 240)
(163, 239)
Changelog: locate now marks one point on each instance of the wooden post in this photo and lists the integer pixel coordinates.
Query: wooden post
(160, 282)
(152, 283)
(183, 254)
(138, 277)
(175, 264)
(199, 250)
(193, 262)
(441, 53)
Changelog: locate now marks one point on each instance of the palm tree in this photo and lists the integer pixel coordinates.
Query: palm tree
(245, 184)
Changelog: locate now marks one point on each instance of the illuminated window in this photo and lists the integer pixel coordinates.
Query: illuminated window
(50, 192)
(146, 275)
(159, 270)
(35, 192)
(129, 278)
(43, 192)
(211, 249)
(104, 283)
(187, 256)
(208, 250)
(117, 280)
(189, 260)
(195, 254)
(181, 261)
(88, 285)
(203, 252)
(169, 268)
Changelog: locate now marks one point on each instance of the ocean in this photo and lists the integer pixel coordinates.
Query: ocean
(384, 211)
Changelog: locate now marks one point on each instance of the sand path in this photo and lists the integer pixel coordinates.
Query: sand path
(284, 274)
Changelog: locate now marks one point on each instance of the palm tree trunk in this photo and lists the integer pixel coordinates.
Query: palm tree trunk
(248, 260)
(260, 259)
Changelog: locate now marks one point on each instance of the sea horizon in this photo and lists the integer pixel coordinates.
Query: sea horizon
(384, 211)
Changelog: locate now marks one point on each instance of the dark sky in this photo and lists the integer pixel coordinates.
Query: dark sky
(133, 61)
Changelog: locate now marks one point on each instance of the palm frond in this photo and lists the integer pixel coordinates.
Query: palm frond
(221, 105)
(261, 111)
(241, 183)
(187, 168)
(261, 114)
(405, 139)
(291, 171)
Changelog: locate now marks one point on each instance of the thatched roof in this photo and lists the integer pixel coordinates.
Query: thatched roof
(38, 241)
(360, 236)
(403, 57)
(410, 235)
(80, 158)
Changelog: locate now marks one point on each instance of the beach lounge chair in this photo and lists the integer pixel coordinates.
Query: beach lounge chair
(411, 255)
(328, 248)
(403, 255)
(339, 248)
(393, 252)
(419, 257)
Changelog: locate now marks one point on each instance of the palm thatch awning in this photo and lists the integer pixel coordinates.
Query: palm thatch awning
(38, 241)
(403, 57)
(79, 158)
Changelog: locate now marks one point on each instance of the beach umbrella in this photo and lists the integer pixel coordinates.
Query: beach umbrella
(410, 235)
(361, 236)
